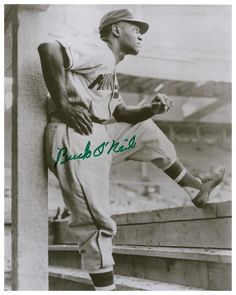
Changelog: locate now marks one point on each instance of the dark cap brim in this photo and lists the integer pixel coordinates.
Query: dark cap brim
(142, 25)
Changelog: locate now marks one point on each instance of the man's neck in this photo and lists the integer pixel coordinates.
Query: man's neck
(119, 55)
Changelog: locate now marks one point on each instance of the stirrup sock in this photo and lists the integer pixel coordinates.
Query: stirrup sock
(103, 281)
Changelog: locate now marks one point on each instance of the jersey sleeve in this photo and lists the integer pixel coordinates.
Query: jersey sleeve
(81, 55)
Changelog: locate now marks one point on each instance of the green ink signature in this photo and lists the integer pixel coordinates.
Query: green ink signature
(115, 146)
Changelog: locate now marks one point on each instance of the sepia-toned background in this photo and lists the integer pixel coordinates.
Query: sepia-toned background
(188, 50)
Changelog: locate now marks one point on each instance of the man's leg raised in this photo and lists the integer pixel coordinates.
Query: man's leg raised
(152, 145)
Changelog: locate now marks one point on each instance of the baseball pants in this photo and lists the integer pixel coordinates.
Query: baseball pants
(85, 182)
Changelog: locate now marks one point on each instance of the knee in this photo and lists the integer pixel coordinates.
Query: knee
(108, 228)
(168, 156)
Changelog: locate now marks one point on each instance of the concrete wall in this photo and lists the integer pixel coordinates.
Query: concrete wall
(29, 173)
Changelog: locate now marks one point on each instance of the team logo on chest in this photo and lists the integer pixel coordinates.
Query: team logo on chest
(106, 82)
(103, 82)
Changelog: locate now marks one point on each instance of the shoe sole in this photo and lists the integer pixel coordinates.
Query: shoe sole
(204, 203)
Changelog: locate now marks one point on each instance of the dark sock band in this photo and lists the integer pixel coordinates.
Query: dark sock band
(102, 279)
(180, 175)
(174, 170)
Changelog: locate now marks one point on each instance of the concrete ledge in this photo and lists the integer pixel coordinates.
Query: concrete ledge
(122, 282)
(212, 210)
(224, 209)
(210, 255)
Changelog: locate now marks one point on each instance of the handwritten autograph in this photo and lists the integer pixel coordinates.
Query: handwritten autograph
(114, 146)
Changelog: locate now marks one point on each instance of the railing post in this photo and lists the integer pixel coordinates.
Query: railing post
(29, 173)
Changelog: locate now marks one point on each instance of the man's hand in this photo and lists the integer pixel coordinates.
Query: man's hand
(78, 118)
(161, 104)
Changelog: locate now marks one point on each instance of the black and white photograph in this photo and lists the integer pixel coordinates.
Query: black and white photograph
(117, 147)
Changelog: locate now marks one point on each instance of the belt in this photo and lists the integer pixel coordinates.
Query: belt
(57, 119)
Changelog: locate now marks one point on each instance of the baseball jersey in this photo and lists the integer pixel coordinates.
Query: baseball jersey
(91, 77)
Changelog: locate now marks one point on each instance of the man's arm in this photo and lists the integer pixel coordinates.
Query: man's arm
(53, 62)
(132, 114)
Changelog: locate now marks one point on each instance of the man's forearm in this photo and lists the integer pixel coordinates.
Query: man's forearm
(132, 114)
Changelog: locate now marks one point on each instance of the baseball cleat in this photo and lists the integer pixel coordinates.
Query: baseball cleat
(208, 184)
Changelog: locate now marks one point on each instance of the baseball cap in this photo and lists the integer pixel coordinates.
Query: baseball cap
(118, 15)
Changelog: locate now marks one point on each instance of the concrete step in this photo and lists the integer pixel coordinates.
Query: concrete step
(187, 227)
(203, 268)
(204, 254)
(65, 278)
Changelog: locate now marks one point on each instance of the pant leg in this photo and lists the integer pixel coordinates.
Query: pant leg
(151, 143)
(85, 189)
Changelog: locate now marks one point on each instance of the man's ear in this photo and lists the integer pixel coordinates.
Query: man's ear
(116, 30)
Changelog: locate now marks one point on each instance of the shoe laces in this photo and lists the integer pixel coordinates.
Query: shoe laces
(206, 178)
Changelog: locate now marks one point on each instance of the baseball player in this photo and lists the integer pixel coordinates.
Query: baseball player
(81, 79)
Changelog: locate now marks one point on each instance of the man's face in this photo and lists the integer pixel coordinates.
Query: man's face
(130, 38)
